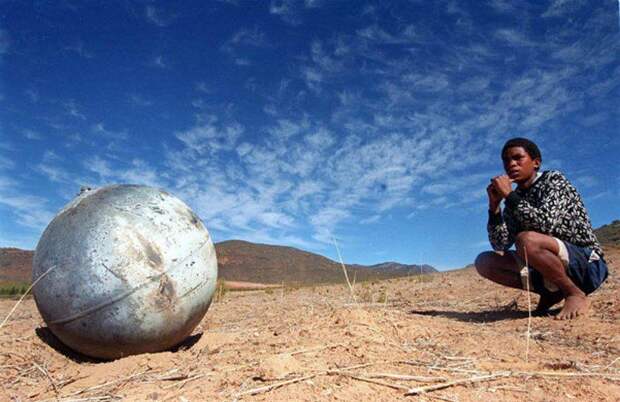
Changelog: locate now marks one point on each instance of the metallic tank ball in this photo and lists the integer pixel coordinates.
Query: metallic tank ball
(128, 269)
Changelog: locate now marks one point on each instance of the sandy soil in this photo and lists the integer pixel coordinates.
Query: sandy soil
(239, 285)
(318, 344)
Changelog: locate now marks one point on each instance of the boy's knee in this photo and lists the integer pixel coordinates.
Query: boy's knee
(483, 261)
(479, 260)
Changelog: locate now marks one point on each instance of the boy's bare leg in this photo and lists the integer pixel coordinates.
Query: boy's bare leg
(542, 253)
(499, 268)
(548, 300)
(503, 269)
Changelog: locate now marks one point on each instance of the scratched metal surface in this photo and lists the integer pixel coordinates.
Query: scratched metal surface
(135, 271)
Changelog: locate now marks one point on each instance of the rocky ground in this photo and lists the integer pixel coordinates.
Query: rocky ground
(449, 336)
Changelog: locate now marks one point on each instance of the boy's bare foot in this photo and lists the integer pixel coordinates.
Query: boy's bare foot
(548, 300)
(574, 306)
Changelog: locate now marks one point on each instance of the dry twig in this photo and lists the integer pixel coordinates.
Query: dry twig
(373, 381)
(271, 387)
(87, 399)
(607, 376)
(406, 377)
(434, 366)
(185, 381)
(430, 388)
(46, 374)
(107, 384)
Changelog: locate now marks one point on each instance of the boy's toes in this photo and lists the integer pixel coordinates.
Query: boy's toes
(574, 306)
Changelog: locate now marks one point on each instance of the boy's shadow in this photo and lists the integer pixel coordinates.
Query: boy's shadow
(52, 341)
(477, 316)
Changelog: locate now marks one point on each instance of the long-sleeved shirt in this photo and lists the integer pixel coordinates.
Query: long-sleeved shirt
(551, 206)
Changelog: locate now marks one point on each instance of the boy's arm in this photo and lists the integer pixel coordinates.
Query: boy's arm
(545, 217)
(499, 236)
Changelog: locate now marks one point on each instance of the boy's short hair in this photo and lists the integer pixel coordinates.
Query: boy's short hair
(528, 145)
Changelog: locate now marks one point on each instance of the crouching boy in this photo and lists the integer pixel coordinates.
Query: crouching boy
(544, 217)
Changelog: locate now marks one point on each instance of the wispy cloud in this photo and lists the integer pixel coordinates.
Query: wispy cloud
(559, 8)
(249, 37)
(203, 87)
(312, 77)
(99, 166)
(244, 43)
(514, 37)
(33, 95)
(53, 173)
(156, 16)
(375, 33)
(211, 137)
(6, 163)
(286, 10)
(323, 60)
(587, 181)
(140, 101)
(242, 61)
(78, 48)
(73, 109)
(371, 219)
(30, 211)
(158, 61)
(100, 129)
(32, 135)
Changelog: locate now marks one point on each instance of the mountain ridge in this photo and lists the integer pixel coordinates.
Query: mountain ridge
(609, 235)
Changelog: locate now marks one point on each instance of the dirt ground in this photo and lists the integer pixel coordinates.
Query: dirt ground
(451, 330)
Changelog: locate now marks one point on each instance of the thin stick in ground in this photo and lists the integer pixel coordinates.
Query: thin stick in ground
(344, 269)
(526, 270)
(25, 294)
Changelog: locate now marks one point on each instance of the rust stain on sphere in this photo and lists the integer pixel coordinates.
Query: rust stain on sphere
(134, 271)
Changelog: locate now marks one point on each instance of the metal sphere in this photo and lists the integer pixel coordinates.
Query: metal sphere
(127, 270)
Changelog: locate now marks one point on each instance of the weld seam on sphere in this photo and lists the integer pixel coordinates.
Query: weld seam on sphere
(136, 272)
(119, 297)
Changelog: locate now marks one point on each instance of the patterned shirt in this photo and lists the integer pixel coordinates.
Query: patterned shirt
(551, 206)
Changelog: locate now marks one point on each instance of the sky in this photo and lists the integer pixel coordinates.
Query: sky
(377, 124)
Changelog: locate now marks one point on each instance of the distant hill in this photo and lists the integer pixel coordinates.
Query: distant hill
(609, 235)
(249, 262)
(244, 261)
(15, 265)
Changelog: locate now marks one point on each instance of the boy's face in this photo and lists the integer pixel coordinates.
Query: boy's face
(519, 165)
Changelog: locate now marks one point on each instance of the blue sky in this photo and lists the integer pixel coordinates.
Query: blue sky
(289, 122)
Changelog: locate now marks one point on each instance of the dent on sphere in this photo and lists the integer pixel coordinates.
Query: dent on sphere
(135, 271)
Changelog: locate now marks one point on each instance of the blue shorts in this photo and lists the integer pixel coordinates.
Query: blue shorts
(585, 272)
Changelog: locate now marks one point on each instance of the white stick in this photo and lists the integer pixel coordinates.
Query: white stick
(25, 294)
(529, 309)
(344, 269)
